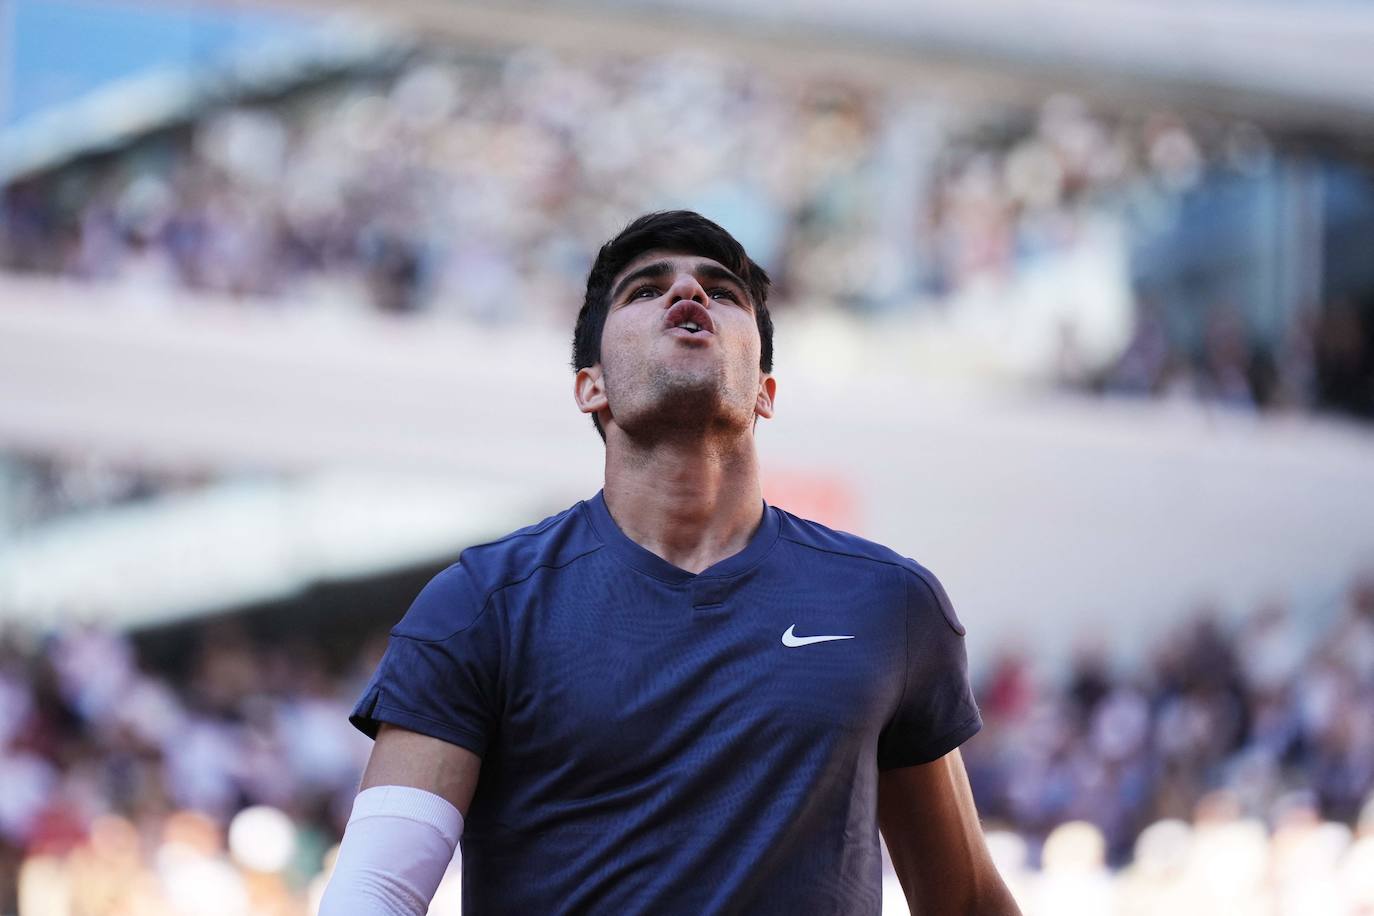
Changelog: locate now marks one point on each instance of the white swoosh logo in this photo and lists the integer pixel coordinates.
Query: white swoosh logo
(791, 640)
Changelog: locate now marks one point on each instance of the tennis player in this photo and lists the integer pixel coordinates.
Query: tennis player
(671, 698)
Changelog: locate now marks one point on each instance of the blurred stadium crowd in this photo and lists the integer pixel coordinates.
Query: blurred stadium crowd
(126, 789)
(479, 185)
(1232, 773)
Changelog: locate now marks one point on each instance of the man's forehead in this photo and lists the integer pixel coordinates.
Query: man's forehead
(679, 259)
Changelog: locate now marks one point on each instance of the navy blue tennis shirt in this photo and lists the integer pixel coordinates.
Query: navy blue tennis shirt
(655, 741)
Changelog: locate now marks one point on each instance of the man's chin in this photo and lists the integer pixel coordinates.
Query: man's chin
(683, 412)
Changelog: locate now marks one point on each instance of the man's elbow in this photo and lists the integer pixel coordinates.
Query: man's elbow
(991, 897)
(999, 902)
(984, 893)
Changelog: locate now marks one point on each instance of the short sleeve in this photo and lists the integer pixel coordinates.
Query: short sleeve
(438, 675)
(937, 711)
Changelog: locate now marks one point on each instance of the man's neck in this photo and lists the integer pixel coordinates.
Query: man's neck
(691, 503)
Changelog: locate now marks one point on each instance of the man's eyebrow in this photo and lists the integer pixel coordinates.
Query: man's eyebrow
(659, 269)
(721, 275)
(655, 271)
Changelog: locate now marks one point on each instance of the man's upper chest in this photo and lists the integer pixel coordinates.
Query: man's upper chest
(612, 663)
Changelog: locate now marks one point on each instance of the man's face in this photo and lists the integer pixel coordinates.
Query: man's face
(680, 349)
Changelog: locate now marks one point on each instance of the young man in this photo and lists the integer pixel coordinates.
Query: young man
(671, 698)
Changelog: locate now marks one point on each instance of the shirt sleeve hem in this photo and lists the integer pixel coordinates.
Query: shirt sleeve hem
(368, 723)
(934, 750)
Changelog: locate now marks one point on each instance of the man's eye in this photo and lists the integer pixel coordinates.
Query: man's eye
(639, 293)
(720, 292)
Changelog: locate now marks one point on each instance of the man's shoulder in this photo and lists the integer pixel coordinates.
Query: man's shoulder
(553, 542)
(826, 540)
(456, 597)
(922, 584)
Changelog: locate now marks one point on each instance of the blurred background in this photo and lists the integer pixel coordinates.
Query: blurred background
(1074, 305)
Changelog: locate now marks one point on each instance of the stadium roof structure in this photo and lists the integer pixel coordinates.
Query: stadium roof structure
(82, 77)
(1296, 65)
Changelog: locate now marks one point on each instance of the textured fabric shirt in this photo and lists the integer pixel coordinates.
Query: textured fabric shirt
(657, 741)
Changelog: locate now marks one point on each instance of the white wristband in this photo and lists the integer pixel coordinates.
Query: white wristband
(397, 845)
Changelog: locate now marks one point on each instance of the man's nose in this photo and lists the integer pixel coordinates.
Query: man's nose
(687, 287)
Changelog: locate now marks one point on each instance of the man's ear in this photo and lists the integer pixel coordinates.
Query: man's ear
(768, 392)
(589, 391)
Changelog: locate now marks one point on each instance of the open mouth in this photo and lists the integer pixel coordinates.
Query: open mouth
(690, 316)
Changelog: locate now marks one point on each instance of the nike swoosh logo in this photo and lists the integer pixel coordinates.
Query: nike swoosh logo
(791, 640)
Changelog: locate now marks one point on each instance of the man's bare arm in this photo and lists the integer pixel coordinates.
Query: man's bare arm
(399, 841)
(401, 757)
(931, 827)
